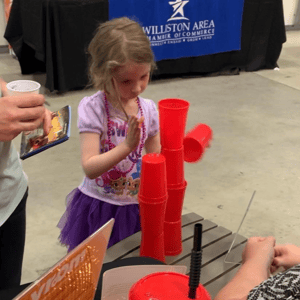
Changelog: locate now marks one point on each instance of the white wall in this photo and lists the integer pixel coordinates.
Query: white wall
(3, 41)
(290, 8)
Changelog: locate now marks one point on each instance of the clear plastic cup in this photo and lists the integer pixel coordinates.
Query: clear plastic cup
(23, 86)
(165, 286)
(153, 182)
(173, 238)
(172, 120)
(175, 203)
(174, 165)
(195, 142)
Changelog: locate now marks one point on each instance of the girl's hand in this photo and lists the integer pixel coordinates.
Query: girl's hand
(134, 132)
(286, 256)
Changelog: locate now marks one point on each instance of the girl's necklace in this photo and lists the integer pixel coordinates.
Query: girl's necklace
(141, 145)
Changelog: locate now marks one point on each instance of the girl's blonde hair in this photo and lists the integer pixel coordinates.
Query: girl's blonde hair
(116, 42)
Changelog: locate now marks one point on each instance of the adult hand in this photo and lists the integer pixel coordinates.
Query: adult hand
(24, 112)
(286, 256)
(134, 132)
(260, 251)
(47, 121)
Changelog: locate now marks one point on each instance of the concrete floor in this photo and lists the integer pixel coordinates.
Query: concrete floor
(255, 118)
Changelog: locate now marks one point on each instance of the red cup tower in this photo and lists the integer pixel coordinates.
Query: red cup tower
(172, 118)
(153, 201)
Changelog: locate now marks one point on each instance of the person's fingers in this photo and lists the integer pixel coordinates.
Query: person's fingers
(271, 240)
(134, 123)
(47, 122)
(29, 114)
(254, 239)
(28, 100)
(30, 125)
(261, 238)
(277, 262)
(130, 121)
(140, 121)
(279, 250)
(273, 269)
(4, 91)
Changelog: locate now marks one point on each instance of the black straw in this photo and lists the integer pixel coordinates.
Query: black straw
(196, 260)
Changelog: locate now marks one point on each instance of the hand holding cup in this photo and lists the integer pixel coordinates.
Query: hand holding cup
(20, 112)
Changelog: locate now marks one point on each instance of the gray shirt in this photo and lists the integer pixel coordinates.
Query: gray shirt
(13, 181)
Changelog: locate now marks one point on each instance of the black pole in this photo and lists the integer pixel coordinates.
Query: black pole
(196, 259)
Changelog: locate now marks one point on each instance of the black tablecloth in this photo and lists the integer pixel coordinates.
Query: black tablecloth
(52, 36)
(13, 292)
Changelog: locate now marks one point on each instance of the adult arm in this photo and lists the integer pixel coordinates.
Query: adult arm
(257, 259)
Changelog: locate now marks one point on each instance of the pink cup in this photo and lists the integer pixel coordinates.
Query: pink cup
(165, 286)
(173, 238)
(153, 176)
(174, 165)
(172, 120)
(195, 142)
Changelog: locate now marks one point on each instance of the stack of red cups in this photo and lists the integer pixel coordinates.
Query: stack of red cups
(172, 118)
(152, 202)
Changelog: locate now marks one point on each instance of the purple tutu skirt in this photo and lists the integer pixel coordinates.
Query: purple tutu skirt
(84, 215)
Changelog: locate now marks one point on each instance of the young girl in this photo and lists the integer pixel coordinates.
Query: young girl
(115, 125)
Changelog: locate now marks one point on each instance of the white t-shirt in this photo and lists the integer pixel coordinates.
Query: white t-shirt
(119, 187)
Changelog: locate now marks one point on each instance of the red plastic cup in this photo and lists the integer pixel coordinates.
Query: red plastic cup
(165, 286)
(175, 203)
(195, 142)
(174, 165)
(152, 200)
(172, 237)
(175, 186)
(152, 217)
(153, 247)
(172, 120)
(153, 182)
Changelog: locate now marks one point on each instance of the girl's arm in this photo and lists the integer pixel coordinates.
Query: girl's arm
(152, 144)
(95, 164)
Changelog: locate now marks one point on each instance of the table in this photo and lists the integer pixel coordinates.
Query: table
(216, 241)
(52, 36)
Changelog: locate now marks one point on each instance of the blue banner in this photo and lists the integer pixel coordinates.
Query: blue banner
(185, 28)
